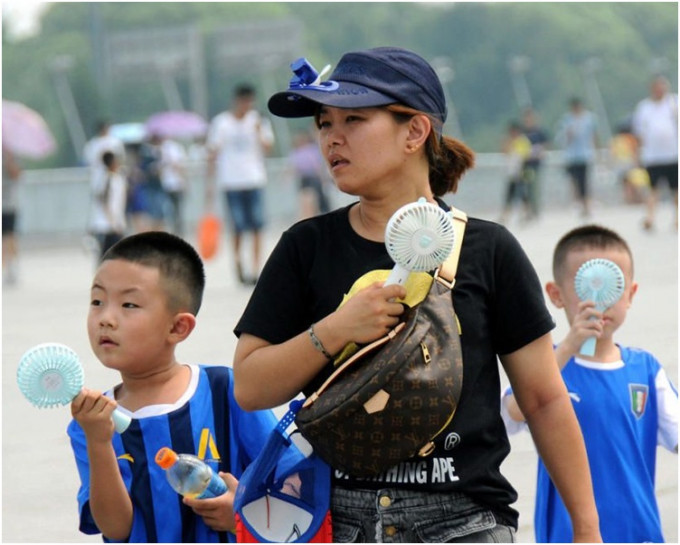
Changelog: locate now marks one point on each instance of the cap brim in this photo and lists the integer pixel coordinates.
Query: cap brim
(304, 102)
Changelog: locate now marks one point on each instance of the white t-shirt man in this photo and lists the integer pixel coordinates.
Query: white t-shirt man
(238, 143)
(655, 122)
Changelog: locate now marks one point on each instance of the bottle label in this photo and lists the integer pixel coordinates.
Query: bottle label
(216, 487)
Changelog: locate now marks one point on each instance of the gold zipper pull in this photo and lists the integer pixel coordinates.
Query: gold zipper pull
(426, 352)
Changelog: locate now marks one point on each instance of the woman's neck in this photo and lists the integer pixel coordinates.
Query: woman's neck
(370, 217)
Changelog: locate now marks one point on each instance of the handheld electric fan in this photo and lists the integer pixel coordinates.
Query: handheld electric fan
(418, 237)
(600, 281)
(50, 375)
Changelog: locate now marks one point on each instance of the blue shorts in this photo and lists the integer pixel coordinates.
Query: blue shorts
(147, 199)
(405, 516)
(155, 201)
(246, 209)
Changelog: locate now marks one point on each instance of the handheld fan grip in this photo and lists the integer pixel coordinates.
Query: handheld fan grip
(50, 375)
(418, 237)
(601, 281)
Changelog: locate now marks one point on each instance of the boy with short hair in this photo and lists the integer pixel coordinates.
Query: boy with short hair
(144, 299)
(624, 401)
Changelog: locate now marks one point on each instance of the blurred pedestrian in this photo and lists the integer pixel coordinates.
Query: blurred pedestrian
(517, 149)
(655, 124)
(532, 165)
(174, 180)
(93, 152)
(152, 195)
(11, 175)
(238, 140)
(577, 134)
(108, 220)
(309, 170)
(623, 154)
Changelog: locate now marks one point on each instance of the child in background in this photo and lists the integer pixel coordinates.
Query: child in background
(107, 222)
(144, 299)
(517, 149)
(623, 151)
(624, 401)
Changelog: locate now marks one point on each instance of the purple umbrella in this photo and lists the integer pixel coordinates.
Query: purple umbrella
(24, 131)
(177, 124)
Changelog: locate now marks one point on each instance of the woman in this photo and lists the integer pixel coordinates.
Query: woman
(380, 118)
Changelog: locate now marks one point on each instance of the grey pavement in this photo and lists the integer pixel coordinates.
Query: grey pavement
(50, 304)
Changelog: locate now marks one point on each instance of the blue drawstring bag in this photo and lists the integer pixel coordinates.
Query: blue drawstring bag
(283, 496)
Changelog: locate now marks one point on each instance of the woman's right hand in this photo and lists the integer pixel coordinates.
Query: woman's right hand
(369, 314)
(365, 317)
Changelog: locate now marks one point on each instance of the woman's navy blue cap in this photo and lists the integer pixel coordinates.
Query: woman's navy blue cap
(364, 79)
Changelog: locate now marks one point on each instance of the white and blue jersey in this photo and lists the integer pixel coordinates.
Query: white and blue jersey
(206, 422)
(625, 409)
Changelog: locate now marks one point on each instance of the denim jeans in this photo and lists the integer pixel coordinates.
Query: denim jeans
(246, 209)
(405, 516)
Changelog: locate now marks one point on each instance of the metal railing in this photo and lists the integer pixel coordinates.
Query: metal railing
(54, 203)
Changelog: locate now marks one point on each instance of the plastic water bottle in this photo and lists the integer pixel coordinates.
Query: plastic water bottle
(189, 475)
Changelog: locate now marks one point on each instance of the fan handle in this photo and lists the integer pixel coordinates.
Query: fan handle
(588, 347)
(398, 275)
(121, 421)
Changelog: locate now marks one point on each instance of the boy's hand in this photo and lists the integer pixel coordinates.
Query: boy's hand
(218, 513)
(586, 323)
(92, 410)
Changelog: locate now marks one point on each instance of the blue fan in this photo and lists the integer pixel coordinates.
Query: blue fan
(51, 375)
(418, 237)
(601, 281)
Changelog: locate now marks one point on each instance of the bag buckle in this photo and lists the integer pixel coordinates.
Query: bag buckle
(443, 281)
(426, 449)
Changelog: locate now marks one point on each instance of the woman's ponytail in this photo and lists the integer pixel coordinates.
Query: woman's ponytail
(449, 159)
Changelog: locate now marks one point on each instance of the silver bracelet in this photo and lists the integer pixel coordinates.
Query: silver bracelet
(317, 343)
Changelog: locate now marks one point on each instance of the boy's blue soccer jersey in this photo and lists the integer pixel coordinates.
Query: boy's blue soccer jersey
(205, 422)
(624, 409)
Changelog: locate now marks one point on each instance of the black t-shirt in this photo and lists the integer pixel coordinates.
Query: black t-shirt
(500, 306)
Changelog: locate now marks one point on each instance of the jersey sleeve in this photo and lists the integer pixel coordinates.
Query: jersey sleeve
(250, 431)
(512, 426)
(79, 446)
(667, 401)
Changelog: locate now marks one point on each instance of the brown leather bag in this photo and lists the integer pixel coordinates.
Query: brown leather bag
(389, 401)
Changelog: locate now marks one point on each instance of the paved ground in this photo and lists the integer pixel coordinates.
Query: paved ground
(50, 304)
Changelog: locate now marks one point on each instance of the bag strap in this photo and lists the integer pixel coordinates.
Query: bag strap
(446, 273)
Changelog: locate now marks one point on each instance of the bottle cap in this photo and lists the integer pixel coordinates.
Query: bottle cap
(166, 457)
